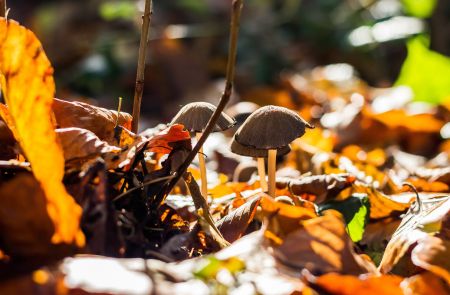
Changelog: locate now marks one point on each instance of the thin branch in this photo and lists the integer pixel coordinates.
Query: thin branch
(202, 206)
(232, 51)
(3, 8)
(139, 89)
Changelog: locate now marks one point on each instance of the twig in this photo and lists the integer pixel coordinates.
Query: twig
(3, 8)
(202, 206)
(144, 184)
(139, 89)
(236, 14)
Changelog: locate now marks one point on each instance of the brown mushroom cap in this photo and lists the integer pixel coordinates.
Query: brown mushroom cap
(195, 115)
(270, 127)
(249, 151)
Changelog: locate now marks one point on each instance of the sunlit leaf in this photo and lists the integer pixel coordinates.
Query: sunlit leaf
(425, 71)
(336, 284)
(321, 245)
(28, 87)
(419, 8)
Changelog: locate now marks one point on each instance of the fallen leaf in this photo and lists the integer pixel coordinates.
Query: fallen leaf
(80, 143)
(98, 120)
(160, 142)
(425, 283)
(324, 187)
(23, 62)
(432, 254)
(336, 284)
(321, 245)
(283, 218)
(21, 234)
(235, 223)
(417, 224)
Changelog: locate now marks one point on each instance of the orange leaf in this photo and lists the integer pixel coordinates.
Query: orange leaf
(334, 283)
(28, 87)
(160, 143)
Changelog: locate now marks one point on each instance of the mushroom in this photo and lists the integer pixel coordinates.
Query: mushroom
(194, 116)
(266, 133)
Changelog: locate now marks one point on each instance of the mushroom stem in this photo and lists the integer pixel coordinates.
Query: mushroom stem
(272, 168)
(202, 166)
(262, 174)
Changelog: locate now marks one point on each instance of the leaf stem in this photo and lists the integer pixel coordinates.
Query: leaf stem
(232, 51)
(139, 88)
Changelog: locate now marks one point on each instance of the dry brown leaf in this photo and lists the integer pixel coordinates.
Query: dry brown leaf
(416, 225)
(25, 226)
(336, 284)
(425, 283)
(381, 205)
(320, 245)
(80, 143)
(324, 187)
(26, 229)
(433, 254)
(28, 87)
(235, 223)
(95, 119)
(283, 218)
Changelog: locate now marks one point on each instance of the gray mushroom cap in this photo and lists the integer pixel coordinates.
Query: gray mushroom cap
(270, 127)
(195, 115)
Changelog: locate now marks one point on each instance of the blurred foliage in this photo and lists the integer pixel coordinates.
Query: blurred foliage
(93, 44)
(426, 72)
(419, 8)
(118, 10)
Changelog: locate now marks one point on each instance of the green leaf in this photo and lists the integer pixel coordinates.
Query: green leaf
(355, 210)
(419, 8)
(426, 72)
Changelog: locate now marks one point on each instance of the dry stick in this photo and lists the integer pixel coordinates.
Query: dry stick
(139, 89)
(202, 166)
(236, 14)
(272, 168)
(201, 206)
(3, 8)
(262, 174)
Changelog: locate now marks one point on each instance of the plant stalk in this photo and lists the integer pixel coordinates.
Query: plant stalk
(3, 8)
(139, 88)
(232, 51)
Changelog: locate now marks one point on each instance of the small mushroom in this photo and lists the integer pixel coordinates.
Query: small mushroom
(266, 133)
(194, 116)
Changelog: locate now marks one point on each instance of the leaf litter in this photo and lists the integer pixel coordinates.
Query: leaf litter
(82, 210)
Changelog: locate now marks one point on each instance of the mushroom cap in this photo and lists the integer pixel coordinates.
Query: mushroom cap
(270, 127)
(249, 151)
(195, 115)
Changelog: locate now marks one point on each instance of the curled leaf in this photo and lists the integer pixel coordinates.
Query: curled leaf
(98, 120)
(160, 142)
(80, 143)
(234, 225)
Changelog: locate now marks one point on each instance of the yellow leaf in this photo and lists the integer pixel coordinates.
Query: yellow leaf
(28, 87)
